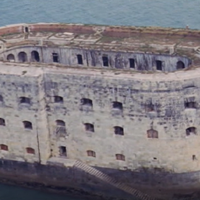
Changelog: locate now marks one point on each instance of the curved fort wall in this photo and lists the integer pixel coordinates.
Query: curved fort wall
(57, 112)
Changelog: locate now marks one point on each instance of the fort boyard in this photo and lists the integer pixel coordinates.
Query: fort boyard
(104, 111)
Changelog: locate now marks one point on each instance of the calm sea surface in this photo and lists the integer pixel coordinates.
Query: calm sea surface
(166, 13)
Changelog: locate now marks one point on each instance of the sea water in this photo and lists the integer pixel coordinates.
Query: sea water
(166, 13)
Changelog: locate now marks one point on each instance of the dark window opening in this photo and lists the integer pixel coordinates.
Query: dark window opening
(79, 59)
(152, 133)
(159, 65)
(191, 130)
(30, 150)
(91, 153)
(60, 128)
(105, 61)
(27, 125)
(86, 102)
(35, 56)
(26, 29)
(180, 65)
(4, 147)
(25, 100)
(194, 157)
(132, 63)
(89, 127)
(1, 98)
(60, 123)
(55, 57)
(117, 105)
(11, 58)
(22, 56)
(2, 122)
(120, 157)
(118, 130)
(63, 151)
(190, 105)
(58, 99)
(149, 107)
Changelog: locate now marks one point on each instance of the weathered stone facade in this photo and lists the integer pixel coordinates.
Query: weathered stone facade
(66, 97)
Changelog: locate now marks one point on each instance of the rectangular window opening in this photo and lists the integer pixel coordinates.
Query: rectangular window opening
(55, 57)
(105, 61)
(159, 65)
(132, 63)
(80, 59)
(190, 105)
(63, 151)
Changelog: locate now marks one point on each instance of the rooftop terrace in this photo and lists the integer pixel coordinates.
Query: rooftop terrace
(152, 40)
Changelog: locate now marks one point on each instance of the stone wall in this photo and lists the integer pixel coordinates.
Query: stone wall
(171, 151)
(94, 58)
(170, 108)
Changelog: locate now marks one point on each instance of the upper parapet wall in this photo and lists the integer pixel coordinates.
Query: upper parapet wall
(178, 44)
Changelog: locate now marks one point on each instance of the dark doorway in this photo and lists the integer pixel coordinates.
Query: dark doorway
(63, 151)
(132, 63)
(105, 61)
(80, 59)
(159, 65)
(55, 57)
(26, 29)
(35, 57)
(11, 58)
(22, 56)
(180, 65)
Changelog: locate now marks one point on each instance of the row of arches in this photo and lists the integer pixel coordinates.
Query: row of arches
(105, 59)
(29, 150)
(22, 57)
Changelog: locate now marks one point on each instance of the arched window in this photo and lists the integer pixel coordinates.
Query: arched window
(22, 57)
(105, 61)
(86, 102)
(27, 125)
(24, 100)
(35, 57)
(2, 122)
(120, 157)
(118, 130)
(58, 99)
(30, 150)
(117, 105)
(91, 153)
(79, 59)
(191, 131)
(159, 65)
(60, 128)
(180, 65)
(152, 133)
(86, 105)
(11, 58)
(4, 147)
(89, 127)
(60, 123)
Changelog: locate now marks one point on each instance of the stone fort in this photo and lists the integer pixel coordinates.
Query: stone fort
(122, 100)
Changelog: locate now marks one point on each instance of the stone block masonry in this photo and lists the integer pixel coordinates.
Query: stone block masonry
(113, 98)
